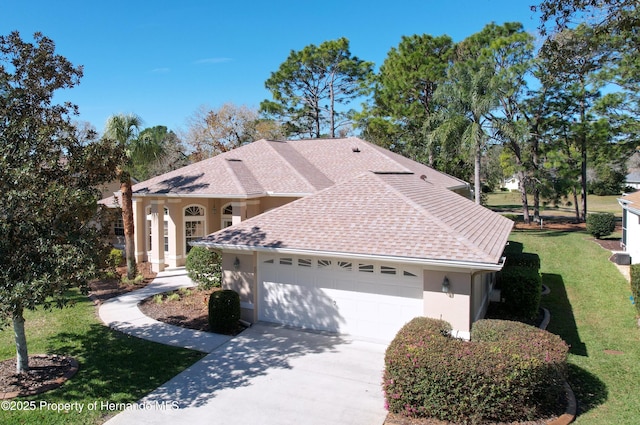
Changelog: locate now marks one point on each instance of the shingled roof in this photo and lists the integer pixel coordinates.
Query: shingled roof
(294, 168)
(384, 214)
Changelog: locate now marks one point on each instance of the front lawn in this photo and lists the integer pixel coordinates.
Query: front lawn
(591, 310)
(114, 368)
(510, 202)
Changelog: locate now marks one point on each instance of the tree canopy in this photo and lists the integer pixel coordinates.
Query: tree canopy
(49, 238)
(311, 84)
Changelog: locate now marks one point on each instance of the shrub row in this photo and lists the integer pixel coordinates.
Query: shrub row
(521, 289)
(523, 259)
(635, 285)
(510, 372)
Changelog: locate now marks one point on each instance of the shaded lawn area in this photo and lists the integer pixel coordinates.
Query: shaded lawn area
(113, 367)
(591, 310)
(511, 202)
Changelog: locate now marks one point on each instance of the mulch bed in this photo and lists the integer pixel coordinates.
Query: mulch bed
(190, 309)
(46, 372)
(49, 371)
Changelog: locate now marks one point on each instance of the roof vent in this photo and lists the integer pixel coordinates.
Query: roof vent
(234, 160)
(423, 177)
(355, 149)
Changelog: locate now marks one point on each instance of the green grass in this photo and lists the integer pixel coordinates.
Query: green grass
(510, 201)
(591, 310)
(113, 367)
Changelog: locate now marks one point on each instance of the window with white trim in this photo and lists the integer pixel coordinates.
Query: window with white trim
(194, 225)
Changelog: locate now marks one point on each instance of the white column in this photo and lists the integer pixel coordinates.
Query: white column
(157, 237)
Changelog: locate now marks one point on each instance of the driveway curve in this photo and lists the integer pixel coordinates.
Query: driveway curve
(268, 374)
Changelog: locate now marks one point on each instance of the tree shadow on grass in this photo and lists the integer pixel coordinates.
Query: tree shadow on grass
(116, 367)
(563, 322)
(590, 392)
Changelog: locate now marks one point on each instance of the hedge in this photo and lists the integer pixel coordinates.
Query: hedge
(523, 259)
(521, 289)
(510, 372)
(635, 285)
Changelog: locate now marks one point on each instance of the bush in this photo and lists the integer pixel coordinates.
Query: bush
(511, 372)
(224, 311)
(521, 289)
(512, 217)
(114, 259)
(601, 224)
(523, 259)
(204, 267)
(635, 285)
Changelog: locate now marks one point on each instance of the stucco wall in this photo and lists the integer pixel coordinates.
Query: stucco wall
(242, 279)
(455, 306)
(633, 236)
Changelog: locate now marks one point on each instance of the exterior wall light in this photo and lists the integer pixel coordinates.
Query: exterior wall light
(446, 285)
(236, 264)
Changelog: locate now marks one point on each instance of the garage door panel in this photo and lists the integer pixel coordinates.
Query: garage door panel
(299, 306)
(338, 299)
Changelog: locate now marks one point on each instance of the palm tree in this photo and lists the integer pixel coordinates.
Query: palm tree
(468, 100)
(124, 130)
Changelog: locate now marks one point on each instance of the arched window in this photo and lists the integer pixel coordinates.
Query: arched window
(194, 224)
(227, 216)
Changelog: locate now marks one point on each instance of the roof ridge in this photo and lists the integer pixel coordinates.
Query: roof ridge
(232, 173)
(439, 222)
(298, 162)
(381, 154)
(249, 183)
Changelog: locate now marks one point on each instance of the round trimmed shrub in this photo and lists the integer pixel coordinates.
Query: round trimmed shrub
(509, 372)
(601, 224)
(204, 267)
(224, 311)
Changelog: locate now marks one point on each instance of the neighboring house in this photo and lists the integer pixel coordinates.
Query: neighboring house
(511, 183)
(633, 180)
(631, 225)
(328, 234)
(110, 194)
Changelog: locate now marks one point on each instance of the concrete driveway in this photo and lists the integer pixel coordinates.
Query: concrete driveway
(270, 375)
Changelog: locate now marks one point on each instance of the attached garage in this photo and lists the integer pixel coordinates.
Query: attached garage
(369, 300)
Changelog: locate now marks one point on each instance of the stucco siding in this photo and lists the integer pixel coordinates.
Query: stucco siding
(453, 306)
(633, 236)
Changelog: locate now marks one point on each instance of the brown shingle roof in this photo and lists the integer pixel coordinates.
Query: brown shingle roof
(294, 167)
(388, 214)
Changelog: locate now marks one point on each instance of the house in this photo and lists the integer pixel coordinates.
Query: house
(337, 235)
(512, 183)
(633, 180)
(630, 204)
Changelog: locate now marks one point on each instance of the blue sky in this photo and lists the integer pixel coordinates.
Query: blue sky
(162, 60)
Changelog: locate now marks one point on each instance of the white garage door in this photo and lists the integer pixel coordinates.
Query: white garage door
(363, 299)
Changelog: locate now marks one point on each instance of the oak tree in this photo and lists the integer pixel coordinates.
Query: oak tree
(50, 240)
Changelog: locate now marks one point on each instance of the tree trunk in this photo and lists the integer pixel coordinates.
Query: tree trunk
(332, 111)
(536, 203)
(22, 354)
(523, 197)
(583, 178)
(576, 204)
(476, 175)
(127, 220)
